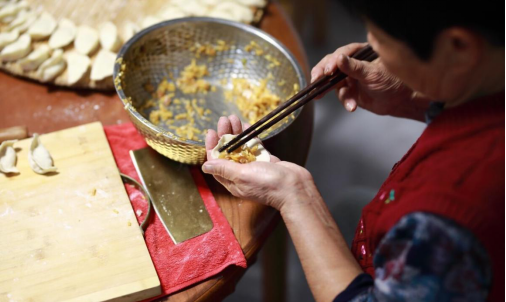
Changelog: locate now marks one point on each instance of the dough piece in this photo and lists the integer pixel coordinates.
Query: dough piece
(128, 30)
(11, 9)
(64, 34)
(109, 38)
(7, 38)
(43, 27)
(103, 65)
(150, 20)
(261, 155)
(39, 158)
(17, 50)
(8, 157)
(86, 40)
(172, 12)
(35, 58)
(232, 11)
(52, 67)
(78, 65)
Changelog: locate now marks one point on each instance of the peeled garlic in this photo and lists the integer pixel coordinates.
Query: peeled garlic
(20, 19)
(7, 38)
(43, 27)
(30, 19)
(128, 30)
(103, 65)
(109, 38)
(17, 50)
(11, 9)
(63, 35)
(8, 157)
(78, 65)
(39, 158)
(86, 40)
(52, 67)
(261, 155)
(35, 58)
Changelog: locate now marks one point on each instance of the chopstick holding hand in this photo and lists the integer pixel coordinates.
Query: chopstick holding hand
(370, 85)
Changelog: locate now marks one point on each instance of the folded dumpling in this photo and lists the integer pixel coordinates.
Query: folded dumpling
(39, 158)
(251, 151)
(8, 157)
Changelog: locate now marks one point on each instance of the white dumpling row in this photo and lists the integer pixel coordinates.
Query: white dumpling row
(90, 47)
(8, 157)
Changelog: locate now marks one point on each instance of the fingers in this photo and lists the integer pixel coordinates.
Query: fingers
(223, 168)
(236, 124)
(328, 64)
(274, 159)
(353, 68)
(224, 126)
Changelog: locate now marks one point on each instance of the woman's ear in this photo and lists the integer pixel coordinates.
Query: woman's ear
(458, 50)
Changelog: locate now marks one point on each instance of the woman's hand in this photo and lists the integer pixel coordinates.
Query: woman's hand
(370, 86)
(274, 184)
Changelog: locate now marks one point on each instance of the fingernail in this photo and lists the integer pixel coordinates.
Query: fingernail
(327, 69)
(349, 106)
(206, 168)
(312, 78)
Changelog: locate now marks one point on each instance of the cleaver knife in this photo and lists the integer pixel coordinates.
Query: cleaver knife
(174, 194)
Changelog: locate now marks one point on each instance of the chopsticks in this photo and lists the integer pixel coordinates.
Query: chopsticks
(295, 102)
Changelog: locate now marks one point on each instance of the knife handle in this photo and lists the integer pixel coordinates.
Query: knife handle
(16, 132)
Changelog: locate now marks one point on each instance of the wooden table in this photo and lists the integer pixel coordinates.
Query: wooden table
(45, 109)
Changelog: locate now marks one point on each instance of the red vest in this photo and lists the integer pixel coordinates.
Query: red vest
(456, 170)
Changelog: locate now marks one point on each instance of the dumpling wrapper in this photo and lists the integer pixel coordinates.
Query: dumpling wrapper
(8, 157)
(77, 66)
(43, 27)
(109, 38)
(103, 65)
(7, 38)
(35, 58)
(39, 158)
(63, 35)
(263, 154)
(86, 39)
(17, 50)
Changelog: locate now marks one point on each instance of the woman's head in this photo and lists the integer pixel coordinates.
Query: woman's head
(440, 48)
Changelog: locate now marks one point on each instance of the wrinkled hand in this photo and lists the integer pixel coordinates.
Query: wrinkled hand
(274, 183)
(369, 84)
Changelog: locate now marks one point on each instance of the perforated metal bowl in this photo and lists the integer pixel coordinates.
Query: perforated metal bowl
(163, 50)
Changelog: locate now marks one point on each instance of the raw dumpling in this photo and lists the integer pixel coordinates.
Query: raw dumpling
(52, 67)
(109, 38)
(253, 150)
(63, 35)
(17, 50)
(25, 25)
(39, 158)
(103, 65)
(11, 9)
(78, 65)
(128, 30)
(43, 27)
(20, 19)
(7, 38)
(86, 40)
(8, 157)
(35, 58)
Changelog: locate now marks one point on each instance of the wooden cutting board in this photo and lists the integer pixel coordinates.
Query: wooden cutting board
(71, 236)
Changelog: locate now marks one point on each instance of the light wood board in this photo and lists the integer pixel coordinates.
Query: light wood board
(73, 235)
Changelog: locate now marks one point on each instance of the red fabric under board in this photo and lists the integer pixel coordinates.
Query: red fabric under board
(191, 261)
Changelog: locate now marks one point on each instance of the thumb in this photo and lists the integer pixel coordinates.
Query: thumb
(223, 168)
(352, 67)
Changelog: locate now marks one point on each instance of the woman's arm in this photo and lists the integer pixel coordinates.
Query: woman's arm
(327, 262)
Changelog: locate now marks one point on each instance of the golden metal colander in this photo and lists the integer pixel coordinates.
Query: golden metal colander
(163, 50)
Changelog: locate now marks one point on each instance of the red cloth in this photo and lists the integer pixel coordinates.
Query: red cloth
(455, 170)
(191, 261)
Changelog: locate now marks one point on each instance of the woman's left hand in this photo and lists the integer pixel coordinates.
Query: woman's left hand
(276, 183)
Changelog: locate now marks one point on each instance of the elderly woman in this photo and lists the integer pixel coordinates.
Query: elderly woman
(435, 230)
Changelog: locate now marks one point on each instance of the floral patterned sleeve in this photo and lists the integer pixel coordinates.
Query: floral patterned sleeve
(424, 258)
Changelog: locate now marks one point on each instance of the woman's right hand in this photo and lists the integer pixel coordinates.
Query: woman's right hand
(370, 86)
